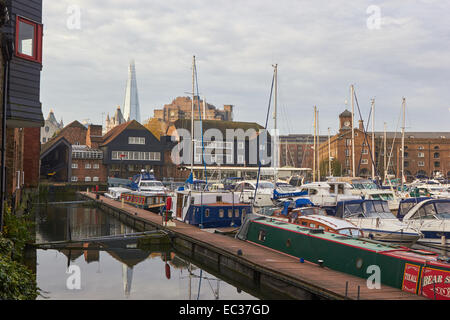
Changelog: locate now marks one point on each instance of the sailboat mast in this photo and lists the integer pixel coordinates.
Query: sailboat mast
(373, 139)
(276, 153)
(403, 142)
(317, 157)
(385, 150)
(192, 116)
(315, 147)
(329, 153)
(353, 131)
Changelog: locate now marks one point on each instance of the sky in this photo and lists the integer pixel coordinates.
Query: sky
(387, 49)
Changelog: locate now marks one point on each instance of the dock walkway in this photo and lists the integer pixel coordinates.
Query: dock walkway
(272, 270)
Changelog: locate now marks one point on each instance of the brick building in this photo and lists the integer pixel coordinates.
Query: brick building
(180, 108)
(426, 153)
(74, 155)
(82, 155)
(296, 150)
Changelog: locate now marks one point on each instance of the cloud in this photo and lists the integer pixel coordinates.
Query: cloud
(321, 48)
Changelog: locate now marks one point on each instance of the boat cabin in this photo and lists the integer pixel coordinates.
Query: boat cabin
(364, 209)
(210, 209)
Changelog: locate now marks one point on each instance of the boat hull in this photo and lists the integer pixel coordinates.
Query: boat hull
(405, 271)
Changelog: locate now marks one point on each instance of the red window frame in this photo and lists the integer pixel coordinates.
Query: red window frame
(37, 45)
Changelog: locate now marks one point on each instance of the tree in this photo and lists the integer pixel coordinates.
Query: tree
(155, 127)
(336, 168)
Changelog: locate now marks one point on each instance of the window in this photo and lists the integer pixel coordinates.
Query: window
(436, 155)
(437, 164)
(95, 179)
(87, 179)
(136, 140)
(365, 151)
(240, 159)
(240, 145)
(74, 179)
(364, 161)
(44, 139)
(348, 142)
(74, 165)
(96, 166)
(420, 147)
(87, 166)
(421, 164)
(47, 129)
(421, 155)
(347, 152)
(28, 39)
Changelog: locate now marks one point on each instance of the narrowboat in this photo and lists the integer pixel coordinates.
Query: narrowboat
(145, 200)
(432, 218)
(209, 209)
(376, 221)
(417, 271)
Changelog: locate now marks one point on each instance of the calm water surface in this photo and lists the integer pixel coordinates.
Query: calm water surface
(118, 271)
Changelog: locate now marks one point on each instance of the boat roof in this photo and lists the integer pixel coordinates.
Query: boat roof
(358, 201)
(415, 200)
(333, 222)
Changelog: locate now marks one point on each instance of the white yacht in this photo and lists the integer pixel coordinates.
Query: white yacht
(432, 218)
(376, 221)
(246, 191)
(328, 194)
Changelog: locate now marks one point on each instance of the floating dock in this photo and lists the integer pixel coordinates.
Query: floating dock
(258, 268)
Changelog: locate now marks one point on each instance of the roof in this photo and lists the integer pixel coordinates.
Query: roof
(47, 147)
(346, 113)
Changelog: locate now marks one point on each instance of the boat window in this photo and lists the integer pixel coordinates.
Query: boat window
(248, 186)
(312, 192)
(425, 212)
(442, 210)
(340, 188)
(218, 198)
(288, 243)
(265, 185)
(375, 209)
(221, 213)
(353, 210)
(236, 213)
(312, 225)
(262, 235)
(206, 213)
(230, 213)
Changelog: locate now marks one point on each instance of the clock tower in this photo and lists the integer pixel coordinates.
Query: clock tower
(345, 120)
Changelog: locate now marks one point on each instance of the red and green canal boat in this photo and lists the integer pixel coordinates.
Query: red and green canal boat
(417, 271)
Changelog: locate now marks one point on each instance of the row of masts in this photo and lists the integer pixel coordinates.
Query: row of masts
(316, 157)
(316, 162)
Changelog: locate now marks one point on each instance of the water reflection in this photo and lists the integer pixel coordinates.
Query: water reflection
(115, 268)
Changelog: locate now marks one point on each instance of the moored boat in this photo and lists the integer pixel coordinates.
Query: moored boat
(432, 218)
(416, 271)
(210, 209)
(145, 200)
(377, 221)
(115, 192)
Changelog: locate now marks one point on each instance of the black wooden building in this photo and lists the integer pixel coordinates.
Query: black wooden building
(22, 37)
(130, 148)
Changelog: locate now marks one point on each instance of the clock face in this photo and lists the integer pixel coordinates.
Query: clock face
(347, 123)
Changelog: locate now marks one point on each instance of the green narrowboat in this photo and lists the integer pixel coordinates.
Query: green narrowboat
(417, 271)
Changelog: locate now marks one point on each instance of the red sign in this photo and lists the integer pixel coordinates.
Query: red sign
(410, 278)
(435, 284)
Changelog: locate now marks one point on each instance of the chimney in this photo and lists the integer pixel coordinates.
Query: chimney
(361, 125)
(93, 135)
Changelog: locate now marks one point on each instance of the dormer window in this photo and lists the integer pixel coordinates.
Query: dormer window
(28, 40)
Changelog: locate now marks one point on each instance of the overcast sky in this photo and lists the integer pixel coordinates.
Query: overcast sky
(321, 48)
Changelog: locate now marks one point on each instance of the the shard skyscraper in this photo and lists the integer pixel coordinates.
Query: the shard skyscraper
(131, 105)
